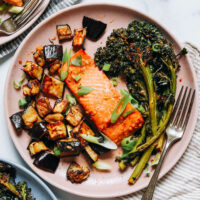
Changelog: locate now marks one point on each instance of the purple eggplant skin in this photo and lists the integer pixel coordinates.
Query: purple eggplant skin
(17, 121)
(47, 161)
(38, 130)
(53, 52)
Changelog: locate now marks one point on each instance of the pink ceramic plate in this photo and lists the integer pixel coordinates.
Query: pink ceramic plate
(4, 15)
(99, 184)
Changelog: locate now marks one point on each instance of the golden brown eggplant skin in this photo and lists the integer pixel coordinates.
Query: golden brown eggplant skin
(43, 106)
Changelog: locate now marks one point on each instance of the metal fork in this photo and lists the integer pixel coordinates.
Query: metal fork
(17, 21)
(174, 132)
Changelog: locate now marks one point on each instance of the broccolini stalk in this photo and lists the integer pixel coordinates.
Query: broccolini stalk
(135, 160)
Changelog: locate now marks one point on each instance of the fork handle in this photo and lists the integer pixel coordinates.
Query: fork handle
(148, 195)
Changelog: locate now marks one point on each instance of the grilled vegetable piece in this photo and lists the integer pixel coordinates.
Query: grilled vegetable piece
(99, 149)
(57, 130)
(30, 116)
(77, 173)
(52, 86)
(69, 130)
(79, 38)
(91, 153)
(54, 66)
(17, 121)
(15, 2)
(47, 161)
(47, 141)
(53, 52)
(32, 88)
(37, 147)
(33, 70)
(69, 147)
(38, 130)
(94, 28)
(39, 57)
(64, 32)
(51, 118)
(60, 106)
(5, 167)
(43, 106)
(74, 116)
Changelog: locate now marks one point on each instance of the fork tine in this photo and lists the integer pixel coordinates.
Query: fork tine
(180, 123)
(176, 105)
(189, 111)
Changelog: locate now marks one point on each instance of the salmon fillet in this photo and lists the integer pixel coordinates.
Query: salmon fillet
(15, 2)
(102, 100)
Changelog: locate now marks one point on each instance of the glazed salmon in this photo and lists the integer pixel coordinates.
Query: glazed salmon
(15, 2)
(102, 100)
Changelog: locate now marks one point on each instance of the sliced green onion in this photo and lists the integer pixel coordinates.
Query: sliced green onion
(22, 102)
(84, 90)
(156, 159)
(56, 151)
(102, 165)
(106, 67)
(128, 112)
(71, 99)
(15, 9)
(0, 21)
(66, 59)
(115, 115)
(63, 75)
(77, 77)
(18, 86)
(147, 170)
(156, 47)
(3, 7)
(115, 81)
(77, 61)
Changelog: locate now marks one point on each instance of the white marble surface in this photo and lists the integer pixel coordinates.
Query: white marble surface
(181, 17)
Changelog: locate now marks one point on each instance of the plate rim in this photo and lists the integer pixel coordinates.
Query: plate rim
(171, 35)
(31, 175)
(26, 27)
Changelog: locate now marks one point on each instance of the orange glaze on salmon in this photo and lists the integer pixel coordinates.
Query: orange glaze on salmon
(102, 100)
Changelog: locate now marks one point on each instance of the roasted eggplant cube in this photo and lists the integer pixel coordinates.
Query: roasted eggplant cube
(53, 52)
(57, 130)
(60, 106)
(54, 66)
(74, 116)
(30, 117)
(37, 147)
(79, 38)
(39, 57)
(52, 86)
(69, 147)
(32, 88)
(99, 149)
(91, 153)
(43, 106)
(77, 173)
(38, 130)
(51, 118)
(64, 32)
(33, 70)
(17, 121)
(94, 27)
(46, 161)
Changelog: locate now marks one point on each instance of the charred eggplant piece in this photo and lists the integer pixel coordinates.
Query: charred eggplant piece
(33, 70)
(99, 149)
(46, 161)
(52, 86)
(74, 116)
(53, 52)
(57, 130)
(47, 141)
(43, 106)
(37, 147)
(32, 88)
(30, 116)
(94, 28)
(79, 38)
(60, 106)
(39, 57)
(69, 147)
(64, 32)
(38, 130)
(51, 118)
(77, 173)
(54, 66)
(17, 121)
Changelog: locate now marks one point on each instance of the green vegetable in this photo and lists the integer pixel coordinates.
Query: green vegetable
(115, 81)
(102, 165)
(0, 21)
(22, 102)
(3, 7)
(77, 61)
(147, 170)
(128, 143)
(71, 99)
(15, 9)
(18, 86)
(156, 47)
(128, 112)
(156, 159)
(77, 78)
(66, 59)
(56, 151)
(106, 67)
(83, 90)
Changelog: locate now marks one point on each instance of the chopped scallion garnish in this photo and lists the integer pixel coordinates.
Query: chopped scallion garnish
(22, 103)
(56, 151)
(66, 59)
(106, 67)
(115, 81)
(84, 90)
(18, 86)
(102, 165)
(128, 112)
(77, 61)
(77, 77)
